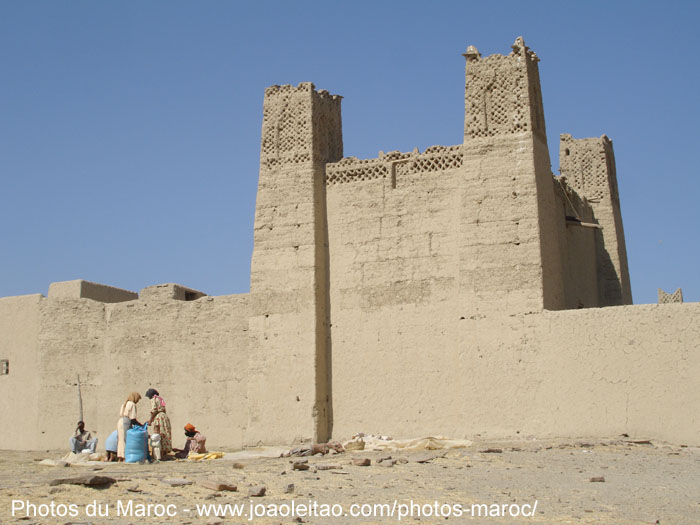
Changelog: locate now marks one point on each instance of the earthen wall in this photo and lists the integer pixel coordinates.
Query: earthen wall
(195, 353)
(19, 329)
(588, 372)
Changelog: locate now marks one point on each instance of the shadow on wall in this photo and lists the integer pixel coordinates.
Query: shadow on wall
(609, 290)
(324, 342)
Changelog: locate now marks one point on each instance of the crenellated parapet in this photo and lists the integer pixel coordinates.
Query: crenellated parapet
(395, 163)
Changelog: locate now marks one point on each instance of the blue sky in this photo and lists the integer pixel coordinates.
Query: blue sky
(129, 131)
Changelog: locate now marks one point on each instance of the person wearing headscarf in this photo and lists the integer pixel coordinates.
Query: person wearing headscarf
(195, 442)
(160, 422)
(127, 418)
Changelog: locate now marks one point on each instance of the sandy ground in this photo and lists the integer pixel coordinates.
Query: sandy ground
(643, 483)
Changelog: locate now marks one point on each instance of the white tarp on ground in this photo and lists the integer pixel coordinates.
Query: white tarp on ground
(371, 442)
(383, 443)
(258, 452)
(75, 459)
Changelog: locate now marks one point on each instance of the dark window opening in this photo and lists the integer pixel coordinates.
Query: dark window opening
(4, 367)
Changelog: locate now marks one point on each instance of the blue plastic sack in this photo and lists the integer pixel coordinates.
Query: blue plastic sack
(136, 448)
(112, 441)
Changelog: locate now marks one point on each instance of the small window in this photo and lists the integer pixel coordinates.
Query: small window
(4, 367)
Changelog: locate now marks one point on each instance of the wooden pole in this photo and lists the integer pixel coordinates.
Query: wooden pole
(80, 401)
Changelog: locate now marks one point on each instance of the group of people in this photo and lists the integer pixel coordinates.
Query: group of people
(158, 424)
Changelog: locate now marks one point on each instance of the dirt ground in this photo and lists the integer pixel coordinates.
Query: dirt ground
(643, 483)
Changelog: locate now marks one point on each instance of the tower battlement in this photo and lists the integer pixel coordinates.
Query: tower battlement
(503, 94)
(300, 125)
(302, 87)
(589, 166)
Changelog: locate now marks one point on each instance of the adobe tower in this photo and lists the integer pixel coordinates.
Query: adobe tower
(301, 132)
(511, 233)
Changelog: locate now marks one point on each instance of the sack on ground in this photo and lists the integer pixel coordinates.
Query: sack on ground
(136, 444)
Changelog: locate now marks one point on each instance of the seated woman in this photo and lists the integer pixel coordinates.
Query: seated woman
(160, 422)
(111, 446)
(195, 443)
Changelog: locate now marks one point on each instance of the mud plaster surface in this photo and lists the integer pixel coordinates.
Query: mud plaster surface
(643, 483)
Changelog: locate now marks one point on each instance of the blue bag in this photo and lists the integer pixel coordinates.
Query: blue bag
(111, 442)
(136, 448)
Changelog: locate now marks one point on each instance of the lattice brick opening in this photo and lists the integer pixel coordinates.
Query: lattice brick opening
(436, 163)
(667, 298)
(503, 94)
(286, 134)
(434, 159)
(356, 173)
(586, 167)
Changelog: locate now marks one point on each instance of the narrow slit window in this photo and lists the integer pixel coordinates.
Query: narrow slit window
(4, 367)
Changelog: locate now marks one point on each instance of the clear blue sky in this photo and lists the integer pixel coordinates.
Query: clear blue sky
(129, 131)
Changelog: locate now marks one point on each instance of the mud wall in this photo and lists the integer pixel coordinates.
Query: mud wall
(589, 372)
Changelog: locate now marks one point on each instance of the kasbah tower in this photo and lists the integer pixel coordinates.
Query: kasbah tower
(457, 291)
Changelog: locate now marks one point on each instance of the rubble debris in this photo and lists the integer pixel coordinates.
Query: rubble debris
(218, 485)
(328, 467)
(54, 463)
(257, 492)
(89, 480)
(176, 482)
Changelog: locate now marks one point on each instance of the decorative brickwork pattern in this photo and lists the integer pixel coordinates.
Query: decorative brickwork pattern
(434, 159)
(286, 134)
(587, 163)
(289, 115)
(503, 95)
(667, 298)
(352, 169)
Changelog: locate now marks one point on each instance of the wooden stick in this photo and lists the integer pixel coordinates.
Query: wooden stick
(584, 224)
(80, 401)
